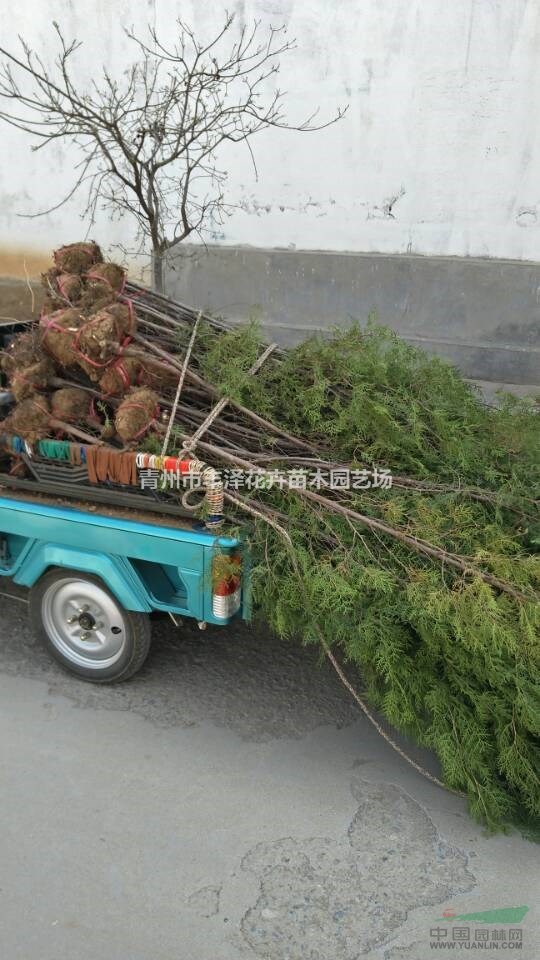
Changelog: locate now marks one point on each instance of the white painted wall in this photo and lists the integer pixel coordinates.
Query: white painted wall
(443, 116)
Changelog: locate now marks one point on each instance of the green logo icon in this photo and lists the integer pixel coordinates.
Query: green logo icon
(502, 915)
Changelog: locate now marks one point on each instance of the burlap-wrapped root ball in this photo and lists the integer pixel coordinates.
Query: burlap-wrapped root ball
(25, 381)
(106, 276)
(63, 289)
(125, 317)
(95, 299)
(23, 351)
(58, 333)
(70, 286)
(92, 370)
(50, 306)
(29, 419)
(77, 257)
(26, 365)
(136, 414)
(120, 376)
(70, 404)
(129, 372)
(101, 334)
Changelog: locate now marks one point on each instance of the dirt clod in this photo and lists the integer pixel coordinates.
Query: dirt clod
(77, 257)
(136, 414)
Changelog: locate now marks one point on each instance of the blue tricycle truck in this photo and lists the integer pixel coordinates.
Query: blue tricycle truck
(95, 576)
(100, 558)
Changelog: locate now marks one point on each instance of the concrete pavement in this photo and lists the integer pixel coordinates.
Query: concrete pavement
(230, 803)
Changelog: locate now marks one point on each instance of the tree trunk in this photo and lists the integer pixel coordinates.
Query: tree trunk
(157, 271)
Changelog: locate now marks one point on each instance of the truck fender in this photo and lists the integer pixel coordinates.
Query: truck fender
(115, 571)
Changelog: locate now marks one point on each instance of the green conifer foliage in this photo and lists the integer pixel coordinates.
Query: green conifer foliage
(448, 658)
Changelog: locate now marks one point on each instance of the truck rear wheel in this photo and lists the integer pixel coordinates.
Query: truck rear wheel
(86, 629)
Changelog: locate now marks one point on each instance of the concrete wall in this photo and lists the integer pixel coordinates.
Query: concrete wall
(483, 315)
(437, 156)
(439, 152)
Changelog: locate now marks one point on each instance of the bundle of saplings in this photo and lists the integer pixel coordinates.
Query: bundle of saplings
(427, 588)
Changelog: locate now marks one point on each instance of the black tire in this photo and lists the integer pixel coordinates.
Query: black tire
(128, 639)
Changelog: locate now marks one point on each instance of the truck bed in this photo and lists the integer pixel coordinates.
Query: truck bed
(100, 509)
(149, 563)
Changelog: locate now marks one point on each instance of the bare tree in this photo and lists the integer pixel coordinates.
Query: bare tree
(151, 142)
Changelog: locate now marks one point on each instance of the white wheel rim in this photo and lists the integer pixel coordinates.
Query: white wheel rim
(85, 624)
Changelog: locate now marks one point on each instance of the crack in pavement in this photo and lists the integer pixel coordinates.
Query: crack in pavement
(323, 897)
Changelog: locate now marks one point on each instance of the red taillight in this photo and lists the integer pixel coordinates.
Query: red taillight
(226, 585)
